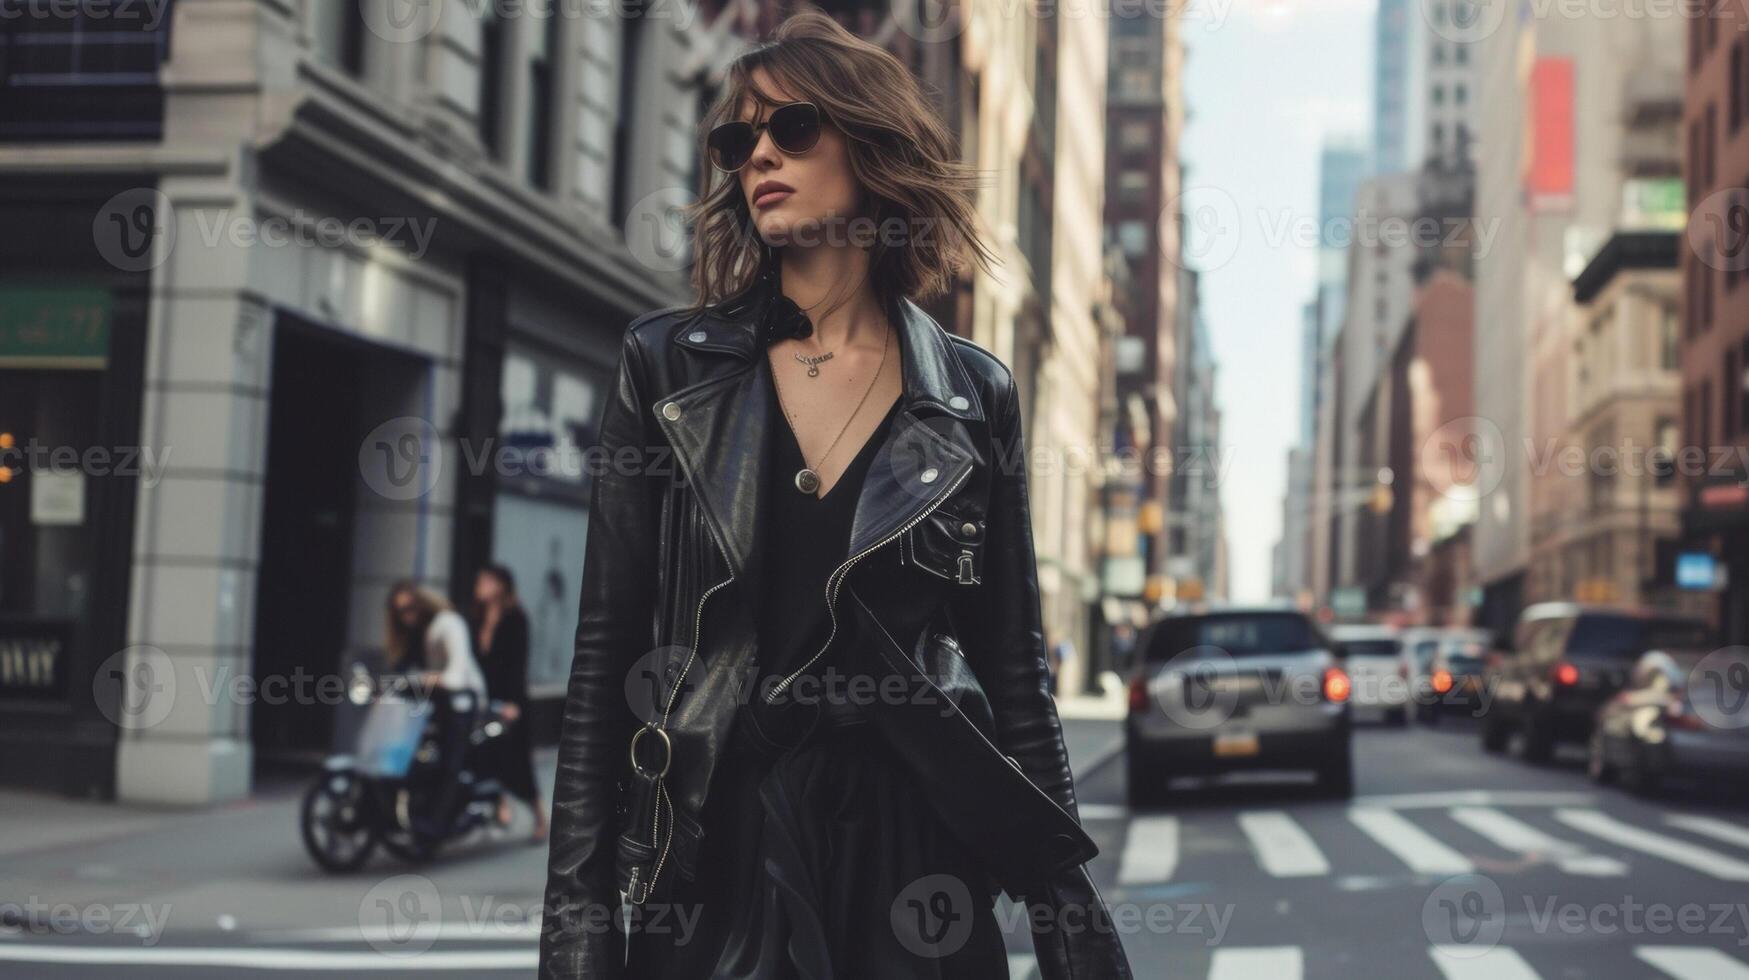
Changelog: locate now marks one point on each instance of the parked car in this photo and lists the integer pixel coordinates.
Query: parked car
(1236, 689)
(1379, 665)
(1564, 662)
(1451, 679)
(1670, 720)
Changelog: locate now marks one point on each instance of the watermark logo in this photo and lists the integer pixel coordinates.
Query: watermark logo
(1464, 21)
(402, 21)
(1718, 231)
(401, 916)
(933, 915)
(1212, 226)
(656, 230)
(1199, 688)
(402, 458)
(1464, 459)
(134, 231)
(143, 682)
(653, 681)
(1718, 687)
(1465, 915)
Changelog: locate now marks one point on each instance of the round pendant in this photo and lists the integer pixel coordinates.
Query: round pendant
(807, 481)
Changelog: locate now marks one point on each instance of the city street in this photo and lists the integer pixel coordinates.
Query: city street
(1447, 863)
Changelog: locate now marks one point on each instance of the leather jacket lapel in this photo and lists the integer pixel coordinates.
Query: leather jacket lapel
(721, 429)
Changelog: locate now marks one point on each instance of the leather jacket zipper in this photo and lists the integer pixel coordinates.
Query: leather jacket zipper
(836, 579)
(661, 787)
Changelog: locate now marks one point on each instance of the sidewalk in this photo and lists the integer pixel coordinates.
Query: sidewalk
(238, 870)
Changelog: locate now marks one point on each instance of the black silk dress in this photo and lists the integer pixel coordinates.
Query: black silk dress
(820, 861)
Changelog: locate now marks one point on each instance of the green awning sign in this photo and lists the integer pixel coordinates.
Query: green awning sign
(54, 328)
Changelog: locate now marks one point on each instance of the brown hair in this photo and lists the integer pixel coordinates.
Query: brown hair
(400, 640)
(900, 152)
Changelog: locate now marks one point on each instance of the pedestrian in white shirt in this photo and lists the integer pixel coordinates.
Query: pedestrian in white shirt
(448, 669)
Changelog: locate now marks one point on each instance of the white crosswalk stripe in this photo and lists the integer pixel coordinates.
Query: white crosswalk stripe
(1421, 851)
(1514, 834)
(1712, 827)
(1701, 859)
(1468, 963)
(1283, 848)
(1258, 963)
(1150, 850)
(1694, 962)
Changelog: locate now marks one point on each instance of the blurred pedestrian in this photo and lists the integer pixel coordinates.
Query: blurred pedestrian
(501, 631)
(424, 632)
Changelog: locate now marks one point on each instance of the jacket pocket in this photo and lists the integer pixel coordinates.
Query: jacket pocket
(948, 544)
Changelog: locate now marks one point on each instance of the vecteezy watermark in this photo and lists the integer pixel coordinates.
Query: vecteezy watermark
(147, 463)
(402, 915)
(1215, 225)
(1463, 458)
(141, 920)
(135, 688)
(147, 15)
(1718, 230)
(137, 229)
(401, 459)
(1200, 688)
(937, 22)
(407, 21)
(933, 915)
(1468, 21)
(1718, 687)
(1467, 916)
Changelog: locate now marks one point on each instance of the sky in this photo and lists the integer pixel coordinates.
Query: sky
(1265, 82)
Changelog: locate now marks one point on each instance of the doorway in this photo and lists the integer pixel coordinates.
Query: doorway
(304, 583)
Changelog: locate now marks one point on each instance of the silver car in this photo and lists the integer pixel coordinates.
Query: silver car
(1234, 690)
(1682, 713)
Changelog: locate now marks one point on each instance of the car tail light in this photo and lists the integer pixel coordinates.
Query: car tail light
(1442, 681)
(1336, 685)
(1566, 674)
(1138, 694)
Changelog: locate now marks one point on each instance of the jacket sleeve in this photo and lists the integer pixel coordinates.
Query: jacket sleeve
(581, 931)
(1073, 934)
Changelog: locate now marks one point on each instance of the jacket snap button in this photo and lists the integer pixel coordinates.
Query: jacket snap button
(968, 529)
(696, 336)
(958, 401)
(929, 475)
(671, 411)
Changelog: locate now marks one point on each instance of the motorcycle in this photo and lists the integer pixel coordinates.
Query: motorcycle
(373, 795)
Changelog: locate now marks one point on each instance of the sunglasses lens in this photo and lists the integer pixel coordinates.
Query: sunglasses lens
(731, 144)
(795, 128)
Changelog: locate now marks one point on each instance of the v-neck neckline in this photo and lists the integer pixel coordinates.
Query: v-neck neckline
(795, 444)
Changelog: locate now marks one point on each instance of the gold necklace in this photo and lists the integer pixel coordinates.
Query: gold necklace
(807, 478)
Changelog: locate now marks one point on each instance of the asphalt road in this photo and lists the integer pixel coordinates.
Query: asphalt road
(1448, 863)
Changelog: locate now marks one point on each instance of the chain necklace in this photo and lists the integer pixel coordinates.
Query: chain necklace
(807, 478)
(813, 361)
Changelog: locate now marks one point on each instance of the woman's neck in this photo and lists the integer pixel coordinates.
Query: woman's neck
(831, 285)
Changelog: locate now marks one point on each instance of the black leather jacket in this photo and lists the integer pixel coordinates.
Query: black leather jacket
(666, 643)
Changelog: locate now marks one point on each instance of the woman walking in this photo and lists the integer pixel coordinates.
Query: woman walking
(501, 631)
(809, 731)
(428, 638)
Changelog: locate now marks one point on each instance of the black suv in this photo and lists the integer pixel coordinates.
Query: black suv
(1564, 662)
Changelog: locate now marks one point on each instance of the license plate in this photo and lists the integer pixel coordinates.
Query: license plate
(1235, 745)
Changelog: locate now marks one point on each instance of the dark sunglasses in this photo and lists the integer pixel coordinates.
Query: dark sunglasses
(795, 128)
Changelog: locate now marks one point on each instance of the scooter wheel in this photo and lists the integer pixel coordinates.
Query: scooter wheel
(336, 823)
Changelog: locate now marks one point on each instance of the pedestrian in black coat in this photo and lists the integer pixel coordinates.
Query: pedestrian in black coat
(501, 633)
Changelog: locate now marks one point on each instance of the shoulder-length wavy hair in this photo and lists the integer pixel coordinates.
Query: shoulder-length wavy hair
(403, 643)
(900, 152)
